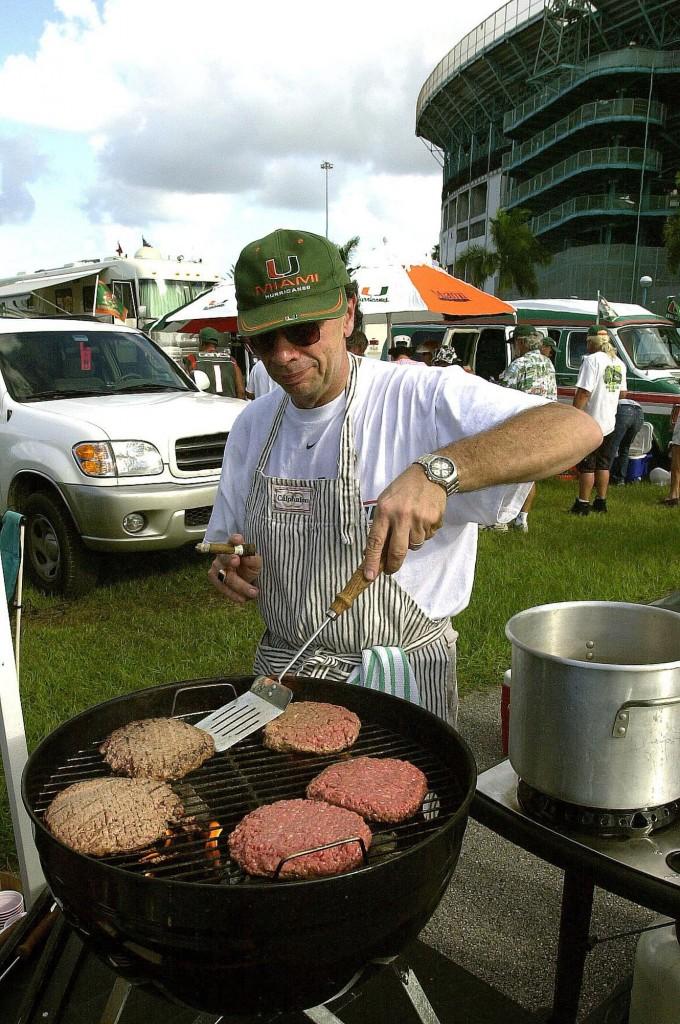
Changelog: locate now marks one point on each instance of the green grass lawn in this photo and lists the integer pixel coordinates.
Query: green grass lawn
(154, 619)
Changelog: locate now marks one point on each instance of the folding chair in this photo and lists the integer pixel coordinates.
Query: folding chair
(12, 728)
(12, 528)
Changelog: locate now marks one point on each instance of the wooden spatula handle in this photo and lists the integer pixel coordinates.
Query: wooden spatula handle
(356, 585)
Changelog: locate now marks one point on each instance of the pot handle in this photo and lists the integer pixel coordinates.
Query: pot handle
(620, 729)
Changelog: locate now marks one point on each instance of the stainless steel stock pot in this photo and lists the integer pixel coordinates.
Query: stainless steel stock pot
(595, 705)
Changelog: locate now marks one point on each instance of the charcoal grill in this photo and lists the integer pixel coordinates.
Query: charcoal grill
(182, 916)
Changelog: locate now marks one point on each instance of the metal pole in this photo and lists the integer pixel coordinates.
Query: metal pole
(642, 182)
(326, 166)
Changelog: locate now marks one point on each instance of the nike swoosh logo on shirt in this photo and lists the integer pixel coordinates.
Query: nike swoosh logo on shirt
(311, 445)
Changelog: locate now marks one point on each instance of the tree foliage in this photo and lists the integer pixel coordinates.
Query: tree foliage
(348, 252)
(515, 256)
(671, 237)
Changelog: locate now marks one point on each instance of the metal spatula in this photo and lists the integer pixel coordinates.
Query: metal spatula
(264, 701)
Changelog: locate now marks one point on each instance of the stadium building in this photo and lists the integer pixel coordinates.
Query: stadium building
(570, 109)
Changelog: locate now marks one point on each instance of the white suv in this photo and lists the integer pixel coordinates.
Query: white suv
(105, 445)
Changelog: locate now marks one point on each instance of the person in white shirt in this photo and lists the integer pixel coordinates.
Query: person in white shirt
(259, 381)
(600, 383)
(362, 463)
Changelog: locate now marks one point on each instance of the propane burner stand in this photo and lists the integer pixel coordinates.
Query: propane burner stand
(596, 821)
(644, 869)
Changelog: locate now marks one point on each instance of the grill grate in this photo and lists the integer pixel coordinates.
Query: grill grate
(232, 784)
(203, 452)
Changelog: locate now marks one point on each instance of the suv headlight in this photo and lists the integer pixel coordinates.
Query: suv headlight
(118, 458)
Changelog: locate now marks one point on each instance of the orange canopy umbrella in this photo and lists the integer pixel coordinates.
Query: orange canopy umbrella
(406, 289)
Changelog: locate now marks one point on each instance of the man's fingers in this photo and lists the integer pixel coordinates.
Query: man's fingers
(374, 548)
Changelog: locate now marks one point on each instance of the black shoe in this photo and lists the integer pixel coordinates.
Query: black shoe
(580, 508)
(600, 505)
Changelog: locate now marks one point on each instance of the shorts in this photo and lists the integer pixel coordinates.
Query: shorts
(599, 459)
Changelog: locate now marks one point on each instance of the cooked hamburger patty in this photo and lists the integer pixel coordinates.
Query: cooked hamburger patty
(312, 728)
(157, 748)
(106, 816)
(259, 843)
(379, 788)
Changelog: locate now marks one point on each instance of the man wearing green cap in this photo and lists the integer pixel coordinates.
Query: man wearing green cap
(360, 462)
(533, 373)
(230, 381)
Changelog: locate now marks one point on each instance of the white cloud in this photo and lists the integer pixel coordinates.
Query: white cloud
(221, 107)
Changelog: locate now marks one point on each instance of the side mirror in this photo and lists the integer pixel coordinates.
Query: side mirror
(201, 379)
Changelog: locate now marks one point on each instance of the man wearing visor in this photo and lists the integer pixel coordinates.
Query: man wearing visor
(360, 460)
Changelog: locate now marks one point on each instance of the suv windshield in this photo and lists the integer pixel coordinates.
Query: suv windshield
(652, 348)
(39, 365)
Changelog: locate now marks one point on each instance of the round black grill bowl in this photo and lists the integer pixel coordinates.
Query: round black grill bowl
(257, 946)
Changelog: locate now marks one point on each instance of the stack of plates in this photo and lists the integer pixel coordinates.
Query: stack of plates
(11, 907)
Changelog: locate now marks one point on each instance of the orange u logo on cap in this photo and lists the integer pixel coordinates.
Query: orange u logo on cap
(273, 274)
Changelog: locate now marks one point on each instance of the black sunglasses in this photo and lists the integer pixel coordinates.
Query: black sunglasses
(300, 335)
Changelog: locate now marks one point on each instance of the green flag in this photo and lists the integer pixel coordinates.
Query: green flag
(107, 303)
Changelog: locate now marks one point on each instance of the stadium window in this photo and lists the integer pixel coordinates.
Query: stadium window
(478, 229)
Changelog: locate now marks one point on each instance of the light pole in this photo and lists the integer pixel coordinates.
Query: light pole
(326, 166)
(645, 283)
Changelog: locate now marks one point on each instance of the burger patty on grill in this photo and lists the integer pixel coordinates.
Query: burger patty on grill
(272, 832)
(309, 727)
(157, 748)
(106, 816)
(379, 788)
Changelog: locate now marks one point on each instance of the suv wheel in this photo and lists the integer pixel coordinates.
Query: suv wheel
(57, 560)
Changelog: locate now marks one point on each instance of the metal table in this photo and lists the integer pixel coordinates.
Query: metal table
(643, 870)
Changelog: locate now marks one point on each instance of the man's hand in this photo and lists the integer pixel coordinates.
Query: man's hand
(235, 575)
(408, 512)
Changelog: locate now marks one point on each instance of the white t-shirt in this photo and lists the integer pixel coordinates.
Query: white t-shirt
(400, 413)
(605, 379)
(259, 381)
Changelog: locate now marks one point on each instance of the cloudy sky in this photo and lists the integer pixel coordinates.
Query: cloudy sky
(203, 124)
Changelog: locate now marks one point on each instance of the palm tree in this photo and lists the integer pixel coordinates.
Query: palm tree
(515, 256)
(671, 237)
(348, 251)
(476, 264)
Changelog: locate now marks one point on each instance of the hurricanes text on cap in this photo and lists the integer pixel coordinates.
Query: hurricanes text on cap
(289, 277)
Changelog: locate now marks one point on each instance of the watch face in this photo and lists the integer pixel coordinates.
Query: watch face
(441, 467)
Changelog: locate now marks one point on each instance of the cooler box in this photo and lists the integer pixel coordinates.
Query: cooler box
(638, 467)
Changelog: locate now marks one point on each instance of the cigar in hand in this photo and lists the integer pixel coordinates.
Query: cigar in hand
(204, 548)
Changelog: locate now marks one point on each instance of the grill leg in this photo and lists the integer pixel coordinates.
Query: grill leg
(115, 1004)
(414, 990)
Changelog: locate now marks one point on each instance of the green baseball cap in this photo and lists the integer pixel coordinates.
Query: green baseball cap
(209, 334)
(289, 277)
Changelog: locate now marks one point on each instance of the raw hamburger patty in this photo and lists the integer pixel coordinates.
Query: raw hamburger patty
(312, 728)
(379, 788)
(106, 816)
(259, 843)
(157, 748)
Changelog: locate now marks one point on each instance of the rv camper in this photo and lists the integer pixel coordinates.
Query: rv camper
(135, 290)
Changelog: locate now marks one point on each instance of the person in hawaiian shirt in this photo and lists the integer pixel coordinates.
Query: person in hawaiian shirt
(532, 372)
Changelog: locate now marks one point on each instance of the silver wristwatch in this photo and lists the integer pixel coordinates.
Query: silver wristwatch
(440, 470)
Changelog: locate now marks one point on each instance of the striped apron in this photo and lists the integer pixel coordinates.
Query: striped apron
(312, 534)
